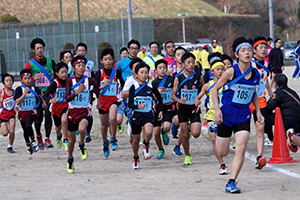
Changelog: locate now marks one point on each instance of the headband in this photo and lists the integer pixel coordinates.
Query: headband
(242, 44)
(78, 61)
(25, 74)
(217, 64)
(259, 42)
(214, 58)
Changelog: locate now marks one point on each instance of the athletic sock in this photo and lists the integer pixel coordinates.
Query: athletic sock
(9, 145)
(59, 137)
(81, 145)
(136, 157)
(70, 160)
(112, 138)
(258, 157)
(105, 142)
(146, 143)
(231, 180)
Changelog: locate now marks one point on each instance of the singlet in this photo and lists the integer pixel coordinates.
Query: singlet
(8, 103)
(166, 95)
(190, 89)
(82, 100)
(29, 101)
(144, 96)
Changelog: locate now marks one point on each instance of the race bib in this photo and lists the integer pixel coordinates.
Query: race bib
(28, 102)
(60, 94)
(112, 90)
(191, 95)
(243, 94)
(261, 88)
(42, 82)
(166, 96)
(82, 99)
(87, 72)
(140, 100)
(220, 95)
(9, 103)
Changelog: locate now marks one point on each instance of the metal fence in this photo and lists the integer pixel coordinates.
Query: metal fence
(15, 38)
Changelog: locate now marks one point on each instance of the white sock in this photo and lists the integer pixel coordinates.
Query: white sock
(8, 146)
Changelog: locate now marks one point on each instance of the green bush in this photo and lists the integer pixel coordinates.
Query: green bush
(8, 18)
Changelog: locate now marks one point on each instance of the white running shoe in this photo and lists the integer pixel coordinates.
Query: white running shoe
(35, 146)
(135, 164)
(147, 152)
(268, 142)
(223, 170)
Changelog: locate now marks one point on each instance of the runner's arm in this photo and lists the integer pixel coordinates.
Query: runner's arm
(131, 96)
(50, 90)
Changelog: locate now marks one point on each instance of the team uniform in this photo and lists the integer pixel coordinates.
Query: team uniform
(296, 52)
(172, 63)
(235, 103)
(79, 106)
(210, 112)
(89, 68)
(7, 106)
(150, 60)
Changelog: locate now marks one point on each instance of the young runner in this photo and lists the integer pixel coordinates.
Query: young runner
(65, 56)
(260, 51)
(80, 109)
(217, 69)
(151, 59)
(240, 83)
(42, 69)
(170, 58)
(28, 98)
(56, 96)
(164, 83)
(185, 90)
(227, 60)
(110, 80)
(7, 111)
(140, 100)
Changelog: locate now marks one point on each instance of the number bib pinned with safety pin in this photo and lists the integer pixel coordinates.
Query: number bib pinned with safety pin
(82, 99)
(9, 103)
(112, 90)
(138, 100)
(42, 82)
(29, 102)
(190, 94)
(60, 94)
(243, 93)
(166, 96)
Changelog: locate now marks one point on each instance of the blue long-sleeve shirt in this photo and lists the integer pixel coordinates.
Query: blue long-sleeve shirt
(297, 52)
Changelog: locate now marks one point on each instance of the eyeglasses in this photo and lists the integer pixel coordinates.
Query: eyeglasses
(133, 48)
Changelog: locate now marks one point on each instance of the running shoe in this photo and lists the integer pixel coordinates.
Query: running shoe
(120, 128)
(114, 144)
(260, 163)
(205, 123)
(40, 141)
(77, 132)
(231, 188)
(10, 150)
(177, 151)
(70, 167)
(35, 146)
(83, 152)
(58, 143)
(234, 144)
(160, 154)
(165, 136)
(188, 160)
(223, 169)
(136, 163)
(29, 149)
(292, 146)
(147, 152)
(294, 78)
(48, 143)
(65, 144)
(130, 141)
(174, 131)
(268, 142)
(88, 138)
(106, 149)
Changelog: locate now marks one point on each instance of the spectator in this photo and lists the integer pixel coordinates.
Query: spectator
(142, 53)
(276, 60)
(217, 47)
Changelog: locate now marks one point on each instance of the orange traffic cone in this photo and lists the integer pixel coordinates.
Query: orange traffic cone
(280, 152)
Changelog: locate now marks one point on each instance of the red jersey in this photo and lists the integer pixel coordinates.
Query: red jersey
(60, 94)
(8, 103)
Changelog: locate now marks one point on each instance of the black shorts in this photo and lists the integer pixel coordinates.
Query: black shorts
(225, 131)
(167, 117)
(277, 70)
(136, 129)
(263, 113)
(4, 120)
(57, 120)
(103, 112)
(74, 127)
(188, 112)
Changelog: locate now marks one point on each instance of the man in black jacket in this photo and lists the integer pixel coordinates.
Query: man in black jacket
(289, 103)
(276, 59)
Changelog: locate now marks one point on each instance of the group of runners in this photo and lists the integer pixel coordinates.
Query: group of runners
(157, 93)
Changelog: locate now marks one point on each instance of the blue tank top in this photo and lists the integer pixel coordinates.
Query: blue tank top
(241, 94)
(211, 76)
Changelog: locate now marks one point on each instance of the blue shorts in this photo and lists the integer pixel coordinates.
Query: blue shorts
(122, 108)
(232, 116)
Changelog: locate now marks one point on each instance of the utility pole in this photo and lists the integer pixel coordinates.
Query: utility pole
(271, 21)
(79, 25)
(61, 24)
(129, 11)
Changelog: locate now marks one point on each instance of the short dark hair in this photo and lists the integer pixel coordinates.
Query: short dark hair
(133, 41)
(62, 54)
(170, 41)
(135, 60)
(141, 65)
(238, 41)
(59, 66)
(106, 51)
(81, 44)
(161, 61)
(123, 49)
(281, 79)
(269, 39)
(7, 75)
(298, 42)
(153, 43)
(25, 71)
(258, 38)
(212, 55)
(178, 48)
(277, 40)
(227, 57)
(186, 56)
(37, 41)
(77, 58)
